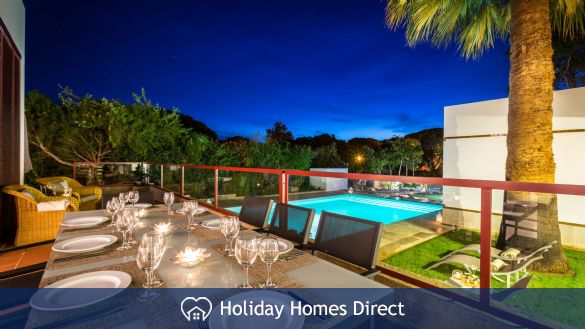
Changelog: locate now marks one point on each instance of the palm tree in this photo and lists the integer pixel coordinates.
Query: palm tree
(474, 25)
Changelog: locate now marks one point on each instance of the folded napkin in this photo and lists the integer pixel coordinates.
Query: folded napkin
(53, 205)
(497, 264)
(510, 253)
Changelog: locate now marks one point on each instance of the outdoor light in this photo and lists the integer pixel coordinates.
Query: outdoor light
(359, 158)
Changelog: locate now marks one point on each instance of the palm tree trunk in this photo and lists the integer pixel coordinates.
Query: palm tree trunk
(530, 154)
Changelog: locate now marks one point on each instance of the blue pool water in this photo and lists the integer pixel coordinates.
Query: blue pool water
(367, 207)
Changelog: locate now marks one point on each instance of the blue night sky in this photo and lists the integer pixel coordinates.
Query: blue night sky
(318, 66)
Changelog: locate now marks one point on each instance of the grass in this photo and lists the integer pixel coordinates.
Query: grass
(561, 305)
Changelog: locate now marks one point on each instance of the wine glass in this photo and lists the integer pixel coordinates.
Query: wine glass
(150, 253)
(123, 197)
(246, 251)
(115, 208)
(124, 223)
(268, 251)
(190, 209)
(169, 198)
(110, 208)
(230, 227)
(133, 196)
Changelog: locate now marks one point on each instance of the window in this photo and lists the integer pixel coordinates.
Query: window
(9, 110)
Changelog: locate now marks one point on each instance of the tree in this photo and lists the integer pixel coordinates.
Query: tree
(474, 25)
(569, 61)
(326, 157)
(279, 133)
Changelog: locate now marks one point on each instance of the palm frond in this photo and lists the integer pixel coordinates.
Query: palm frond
(473, 24)
(568, 18)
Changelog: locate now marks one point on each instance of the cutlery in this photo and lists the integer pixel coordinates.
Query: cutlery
(90, 254)
(291, 256)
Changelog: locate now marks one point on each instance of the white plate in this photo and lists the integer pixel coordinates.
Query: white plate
(199, 211)
(285, 246)
(65, 299)
(85, 243)
(286, 320)
(212, 224)
(140, 206)
(84, 221)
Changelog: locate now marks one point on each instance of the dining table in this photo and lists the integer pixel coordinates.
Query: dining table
(298, 269)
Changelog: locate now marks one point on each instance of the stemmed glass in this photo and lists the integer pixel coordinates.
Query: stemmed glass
(190, 208)
(169, 198)
(133, 197)
(150, 253)
(230, 227)
(125, 222)
(115, 207)
(111, 208)
(268, 252)
(123, 197)
(246, 251)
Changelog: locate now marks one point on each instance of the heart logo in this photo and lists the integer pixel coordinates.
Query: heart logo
(196, 308)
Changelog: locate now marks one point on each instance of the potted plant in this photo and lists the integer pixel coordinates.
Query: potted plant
(139, 175)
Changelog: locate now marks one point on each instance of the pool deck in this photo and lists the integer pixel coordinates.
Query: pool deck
(405, 234)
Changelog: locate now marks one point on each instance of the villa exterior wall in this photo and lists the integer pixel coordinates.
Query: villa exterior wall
(475, 148)
(12, 14)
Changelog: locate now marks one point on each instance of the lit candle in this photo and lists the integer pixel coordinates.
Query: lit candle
(163, 228)
(191, 256)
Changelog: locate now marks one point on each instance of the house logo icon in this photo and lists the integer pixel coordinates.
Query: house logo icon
(197, 309)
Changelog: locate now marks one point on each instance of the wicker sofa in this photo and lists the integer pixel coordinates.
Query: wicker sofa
(88, 196)
(32, 225)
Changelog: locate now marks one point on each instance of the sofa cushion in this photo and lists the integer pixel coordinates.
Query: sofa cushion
(53, 205)
(58, 187)
(89, 197)
(28, 194)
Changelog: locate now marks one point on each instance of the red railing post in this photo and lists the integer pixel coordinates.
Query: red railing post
(182, 188)
(215, 187)
(485, 245)
(75, 170)
(285, 177)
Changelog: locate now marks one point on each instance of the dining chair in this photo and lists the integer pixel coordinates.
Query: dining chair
(292, 223)
(255, 211)
(350, 239)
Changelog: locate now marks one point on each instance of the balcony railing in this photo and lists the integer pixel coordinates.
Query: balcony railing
(213, 183)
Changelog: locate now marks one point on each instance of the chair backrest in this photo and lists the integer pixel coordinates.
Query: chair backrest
(348, 238)
(292, 222)
(255, 210)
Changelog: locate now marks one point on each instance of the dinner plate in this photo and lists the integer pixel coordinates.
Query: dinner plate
(85, 243)
(140, 205)
(285, 246)
(84, 221)
(286, 320)
(48, 299)
(199, 211)
(212, 224)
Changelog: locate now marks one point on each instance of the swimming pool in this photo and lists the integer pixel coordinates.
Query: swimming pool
(367, 207)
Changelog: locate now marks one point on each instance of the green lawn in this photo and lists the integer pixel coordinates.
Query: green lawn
(417, 258)
(565, 306)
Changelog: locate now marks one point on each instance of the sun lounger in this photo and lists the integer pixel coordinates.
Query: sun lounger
(499, 254)
(507, 270)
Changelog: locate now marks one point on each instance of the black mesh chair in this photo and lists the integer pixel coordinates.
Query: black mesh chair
(255, 211)
(292, 223)
(351, 239)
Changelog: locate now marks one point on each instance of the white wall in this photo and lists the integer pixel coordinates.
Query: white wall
(329, 184)
(480, 157)
(12, 13)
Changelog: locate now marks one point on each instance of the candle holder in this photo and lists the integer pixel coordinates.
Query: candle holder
(164, 228)
(191, 256)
